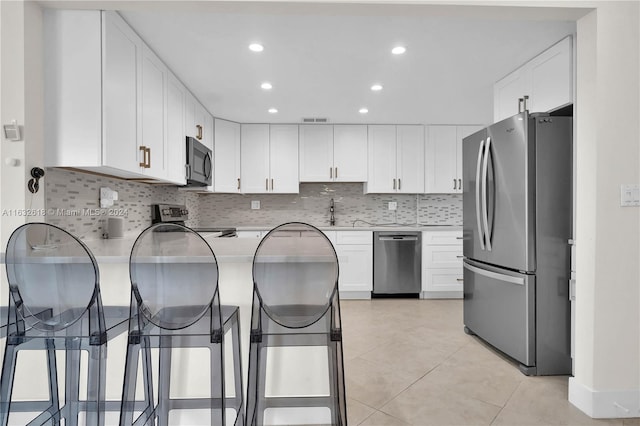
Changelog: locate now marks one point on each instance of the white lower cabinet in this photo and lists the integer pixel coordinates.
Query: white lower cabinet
(442, 264)
(355, 259)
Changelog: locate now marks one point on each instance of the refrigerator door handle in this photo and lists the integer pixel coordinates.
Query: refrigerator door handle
(494, 275)
(485, 207)
(478, 186)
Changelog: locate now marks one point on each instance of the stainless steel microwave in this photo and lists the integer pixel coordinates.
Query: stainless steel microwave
(199, 163)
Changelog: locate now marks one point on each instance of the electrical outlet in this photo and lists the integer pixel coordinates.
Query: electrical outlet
(255, 205)
(393, 205)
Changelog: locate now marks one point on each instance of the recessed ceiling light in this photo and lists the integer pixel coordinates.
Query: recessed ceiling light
(398, 50)
(256, 47)
(266, 85)
(376, 87)
(363, 111)
(273, 110)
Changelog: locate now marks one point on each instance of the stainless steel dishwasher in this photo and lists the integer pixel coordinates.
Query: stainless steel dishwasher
(397, 263)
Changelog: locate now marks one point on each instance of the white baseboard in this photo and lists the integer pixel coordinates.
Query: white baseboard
(355, 295)
(604, 404)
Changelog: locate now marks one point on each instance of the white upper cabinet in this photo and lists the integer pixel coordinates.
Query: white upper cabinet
(283, 158)
(546, 80)
(121, 51)
(226, 156)
(269, 158)
(106, 98)
(552, 77)
(316, 153)
(153, 84)
(396, 159)
(254, 158)
(349, 153)
(333, 153)
(410, 159)
(175, 145)
(443, 158)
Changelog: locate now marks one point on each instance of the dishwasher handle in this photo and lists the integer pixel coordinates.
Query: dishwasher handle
(398, 238)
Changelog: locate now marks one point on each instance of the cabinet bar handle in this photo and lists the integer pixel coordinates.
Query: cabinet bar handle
(336, 173)
(394, 184)
(454, 184)
(330, 172)
(520, 102)
(399, 184)
(272, 184)
(238, 184)
(149, 159)
(266, 184)
(459, 257)
(525, 99)
(144, 155)
(460, 184)
(199, 133)
(459, 279)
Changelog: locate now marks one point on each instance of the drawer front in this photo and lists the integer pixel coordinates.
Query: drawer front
(442, 257)
(444, 280)
(354, 237)
(449, 238)
(251, 234)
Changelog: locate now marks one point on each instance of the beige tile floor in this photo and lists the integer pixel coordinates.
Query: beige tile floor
(409, 362)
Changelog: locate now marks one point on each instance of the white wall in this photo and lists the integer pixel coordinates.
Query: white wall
(607, 369)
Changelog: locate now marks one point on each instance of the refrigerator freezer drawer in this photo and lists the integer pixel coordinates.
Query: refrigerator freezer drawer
(499, 306)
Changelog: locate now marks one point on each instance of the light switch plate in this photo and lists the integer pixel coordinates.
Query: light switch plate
(629, 195)
(255, 205)
(393, 205)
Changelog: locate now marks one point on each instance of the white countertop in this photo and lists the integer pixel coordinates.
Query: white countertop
(367, 228)
(117, 250)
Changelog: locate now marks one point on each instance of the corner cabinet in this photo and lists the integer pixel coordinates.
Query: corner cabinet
(395, 159)
(105, 97)
(546, 81)
(442, 276)
(333, 153)
(269, 158)
(226, 156)
(443, 158)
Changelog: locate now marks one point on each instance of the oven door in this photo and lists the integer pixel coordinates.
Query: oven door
(199, 163)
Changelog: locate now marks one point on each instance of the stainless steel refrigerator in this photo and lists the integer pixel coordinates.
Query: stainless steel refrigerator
(517, 222)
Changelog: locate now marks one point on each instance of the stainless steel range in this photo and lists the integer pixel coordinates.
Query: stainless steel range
(178, 214)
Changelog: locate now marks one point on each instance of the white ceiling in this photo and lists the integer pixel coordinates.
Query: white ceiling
(323, 60)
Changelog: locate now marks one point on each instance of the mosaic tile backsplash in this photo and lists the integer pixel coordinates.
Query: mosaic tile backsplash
(72, 200)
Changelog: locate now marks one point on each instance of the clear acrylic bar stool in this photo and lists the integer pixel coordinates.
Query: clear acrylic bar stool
(55, 304)
(175, 303)
(296, 308)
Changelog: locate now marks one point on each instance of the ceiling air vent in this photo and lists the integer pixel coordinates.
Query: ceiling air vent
(315, 120)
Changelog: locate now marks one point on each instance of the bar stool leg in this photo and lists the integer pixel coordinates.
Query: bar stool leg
(72, 386)
(96, 386)
(52, 368)
(164, 384)
(6, 383)
(237, 366)
(127, 406)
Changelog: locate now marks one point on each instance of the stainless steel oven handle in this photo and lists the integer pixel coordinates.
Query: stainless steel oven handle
(478, 186)
(494, 275)
(485, 207)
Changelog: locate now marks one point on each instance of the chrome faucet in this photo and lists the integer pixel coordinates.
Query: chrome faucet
(332, 219)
